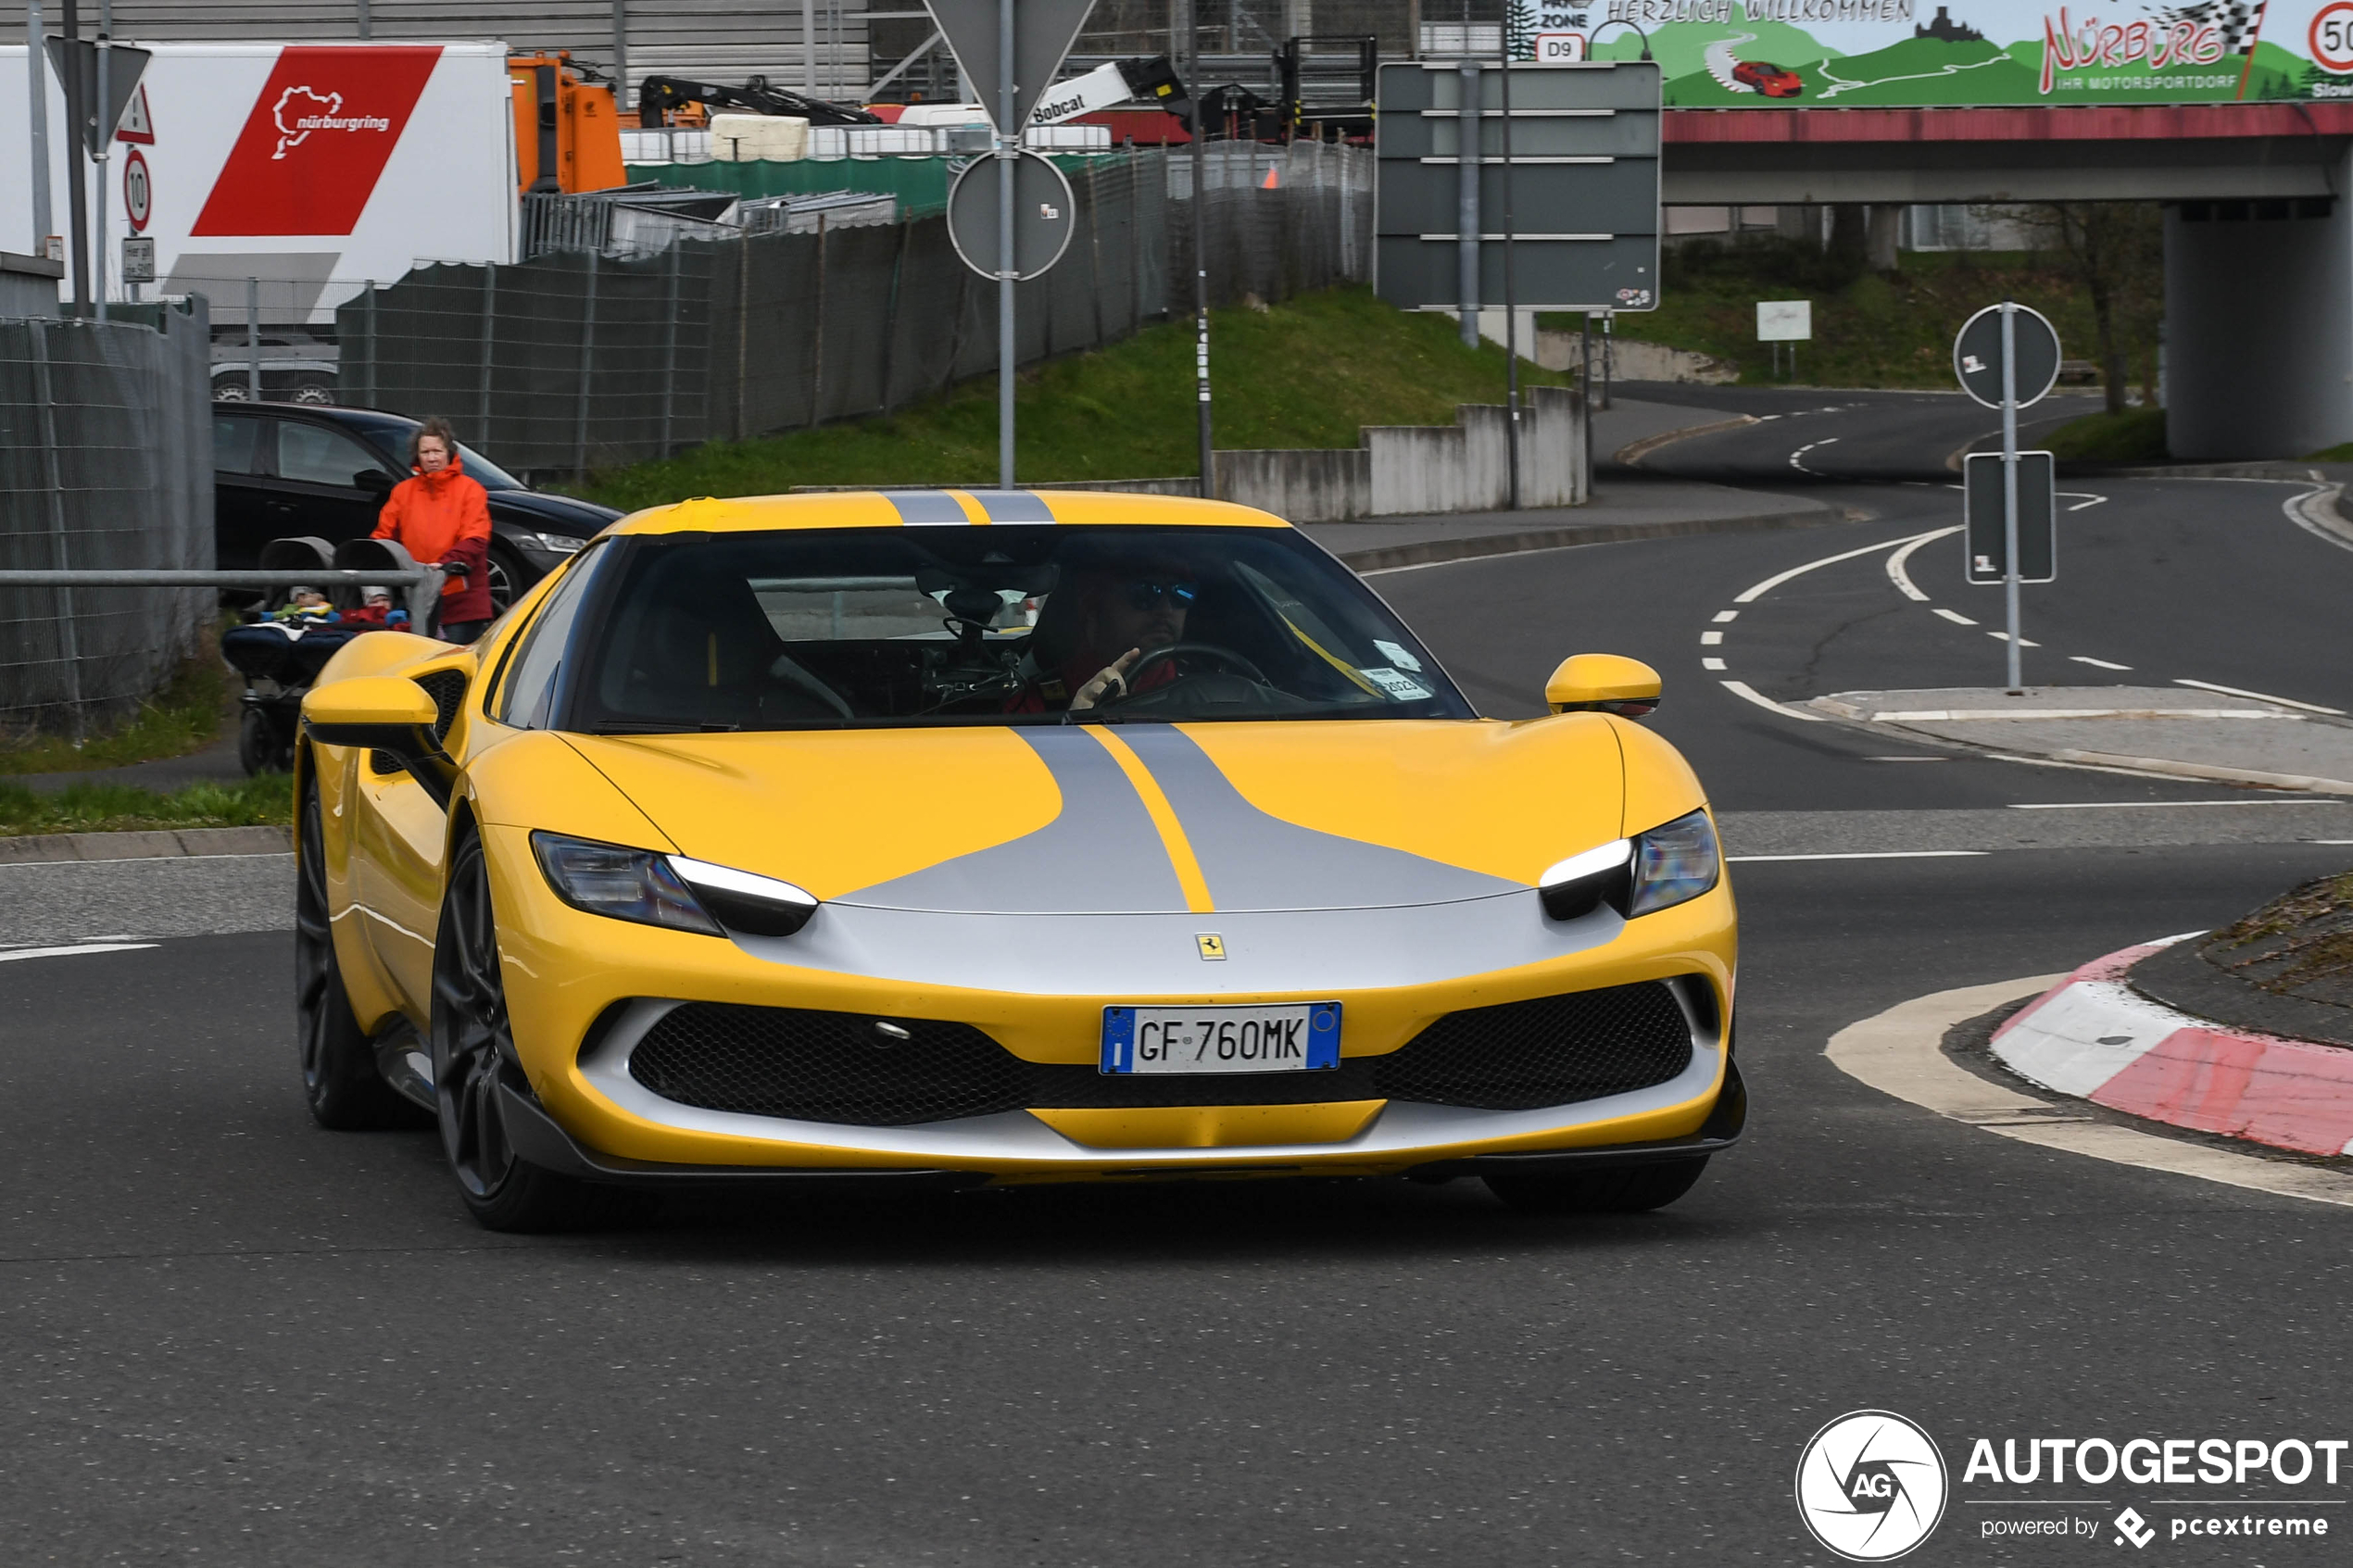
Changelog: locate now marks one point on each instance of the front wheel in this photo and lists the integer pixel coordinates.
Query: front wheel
(339, 1078)
(1627, 1190)
(473, 1053)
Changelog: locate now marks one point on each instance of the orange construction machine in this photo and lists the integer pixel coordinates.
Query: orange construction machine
(567, 128)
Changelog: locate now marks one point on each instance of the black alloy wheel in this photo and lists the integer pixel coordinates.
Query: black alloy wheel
(339, 1077)
(473, 1053)
(1627, 1190)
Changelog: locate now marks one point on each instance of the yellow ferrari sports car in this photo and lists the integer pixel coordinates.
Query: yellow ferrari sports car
(998, 836)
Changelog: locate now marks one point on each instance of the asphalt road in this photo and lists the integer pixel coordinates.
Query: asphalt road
(228, 1337)
(1808, 433)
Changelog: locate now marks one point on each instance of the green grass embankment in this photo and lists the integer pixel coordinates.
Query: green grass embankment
(185, 716)
(267, 801)
(1304, 373)
(2136, 435)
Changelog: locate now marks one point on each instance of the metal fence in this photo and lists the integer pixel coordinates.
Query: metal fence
(106, 461)
(577, 361)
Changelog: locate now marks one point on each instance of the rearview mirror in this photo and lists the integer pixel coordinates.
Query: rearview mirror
(1602, 683)
(385, 713)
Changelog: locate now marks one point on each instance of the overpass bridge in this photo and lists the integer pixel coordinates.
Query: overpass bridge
(2259, 236)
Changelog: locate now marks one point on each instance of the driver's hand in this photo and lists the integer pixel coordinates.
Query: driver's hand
(1110, 675)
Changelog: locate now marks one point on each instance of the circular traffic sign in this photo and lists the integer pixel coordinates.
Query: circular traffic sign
(2330, 37)
(1977, 354)
(1044, 214)
(138, 191)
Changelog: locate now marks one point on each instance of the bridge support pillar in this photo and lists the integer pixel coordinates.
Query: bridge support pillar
(2259, 327)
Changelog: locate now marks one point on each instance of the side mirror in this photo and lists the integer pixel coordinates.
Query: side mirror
(376, 481)
(1602, 683)
(387, 713)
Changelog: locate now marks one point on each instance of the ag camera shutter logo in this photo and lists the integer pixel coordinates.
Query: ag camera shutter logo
(1872, 1486)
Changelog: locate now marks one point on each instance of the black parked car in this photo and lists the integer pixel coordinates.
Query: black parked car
(282, 470)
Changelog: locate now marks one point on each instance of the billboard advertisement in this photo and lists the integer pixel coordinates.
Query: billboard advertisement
(1944, 54)
(311, 167)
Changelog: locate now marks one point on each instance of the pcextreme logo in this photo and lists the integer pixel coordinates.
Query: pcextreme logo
(317, 139)
(1872, 1486)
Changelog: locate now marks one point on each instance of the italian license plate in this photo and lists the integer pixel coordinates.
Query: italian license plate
(1295, 1037)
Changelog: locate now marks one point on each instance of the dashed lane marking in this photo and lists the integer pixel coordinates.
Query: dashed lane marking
(1711, 664)
(2022, 641)
(2096, 663)
(1955, 616)
(12, 954)
(1724, 615)
(1710, 639)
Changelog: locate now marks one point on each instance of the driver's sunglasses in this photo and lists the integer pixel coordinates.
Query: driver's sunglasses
(1143, 594)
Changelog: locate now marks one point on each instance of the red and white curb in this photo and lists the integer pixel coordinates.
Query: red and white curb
(2094, 1037)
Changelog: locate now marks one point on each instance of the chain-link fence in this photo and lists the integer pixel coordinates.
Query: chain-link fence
(106, 461)
(588, 360)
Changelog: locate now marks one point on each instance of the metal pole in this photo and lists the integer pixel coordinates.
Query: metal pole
(2010, 487)
(1200, 161)
(670, 354)
(366, 24)
(101, 152)
(621, 55)
(374, 378)
(809, 47)
(1585, 399)
(253, 340)
(1511, 279)
(1609, 352)
(1008, 154)
(36, 60)
(1468, 146)
(77, 143)
(588, 372)
(489, 344)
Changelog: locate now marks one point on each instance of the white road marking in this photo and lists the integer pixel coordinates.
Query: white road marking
(1709, 639)
(79, 947)
(2315, 512)
(2022, 641)
(2096, 663)
(1898, 570)
(1907, 760)
(1724, 615)
(2258, 697)
(1711, 664)
(2081, 499)
(1793, 456)
(1743, 690)
(1870, 855)
(2157, 804)
(1900, 1052)
(1955, 616)
(1759, 590)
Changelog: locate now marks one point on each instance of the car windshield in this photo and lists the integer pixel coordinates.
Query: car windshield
(392, 442)
(1001, 624)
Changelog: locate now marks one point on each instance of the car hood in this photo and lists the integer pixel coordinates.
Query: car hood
(549, 514)
(1137, 819)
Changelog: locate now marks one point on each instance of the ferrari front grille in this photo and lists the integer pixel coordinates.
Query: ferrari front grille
(1549, 1050)
(816, 1066)
(859, 1070)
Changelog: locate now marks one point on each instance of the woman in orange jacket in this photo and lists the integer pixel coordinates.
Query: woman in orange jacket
(443, 518)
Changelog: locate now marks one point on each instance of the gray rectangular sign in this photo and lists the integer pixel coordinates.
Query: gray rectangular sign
(1585, 185)
(2037, 517)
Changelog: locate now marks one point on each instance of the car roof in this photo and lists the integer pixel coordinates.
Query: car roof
(948, 508)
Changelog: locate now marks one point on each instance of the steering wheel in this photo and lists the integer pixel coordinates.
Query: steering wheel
(1223, 655)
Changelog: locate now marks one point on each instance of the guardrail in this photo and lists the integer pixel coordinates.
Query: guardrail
(422, 582)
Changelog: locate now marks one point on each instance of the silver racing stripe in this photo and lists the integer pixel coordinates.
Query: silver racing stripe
(1100, 854)
(1253, 860)
(922, 508)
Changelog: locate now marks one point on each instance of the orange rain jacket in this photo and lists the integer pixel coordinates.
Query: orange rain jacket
(441, 517)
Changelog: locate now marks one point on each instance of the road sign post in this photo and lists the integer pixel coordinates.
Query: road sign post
(2008, 357)
(1009, 50)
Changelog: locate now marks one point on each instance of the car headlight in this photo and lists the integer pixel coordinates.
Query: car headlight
(670, 890)
(555, 543)
(1670, 864)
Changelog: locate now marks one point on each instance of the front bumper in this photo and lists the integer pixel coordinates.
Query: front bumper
(582, 990)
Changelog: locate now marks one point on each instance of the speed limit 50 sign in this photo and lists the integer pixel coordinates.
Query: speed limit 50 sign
(2332, 38)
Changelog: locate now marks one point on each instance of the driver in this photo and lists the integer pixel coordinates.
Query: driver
(1093, 632)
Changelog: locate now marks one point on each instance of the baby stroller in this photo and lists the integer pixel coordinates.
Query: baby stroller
(280, 656)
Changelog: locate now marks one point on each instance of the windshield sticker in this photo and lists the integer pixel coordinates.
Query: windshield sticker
(1404, 688)
(1396, 655)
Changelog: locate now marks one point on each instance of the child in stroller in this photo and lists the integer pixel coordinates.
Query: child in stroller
(281, 651)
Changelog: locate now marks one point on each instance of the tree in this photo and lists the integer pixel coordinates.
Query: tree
(2116, 251)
